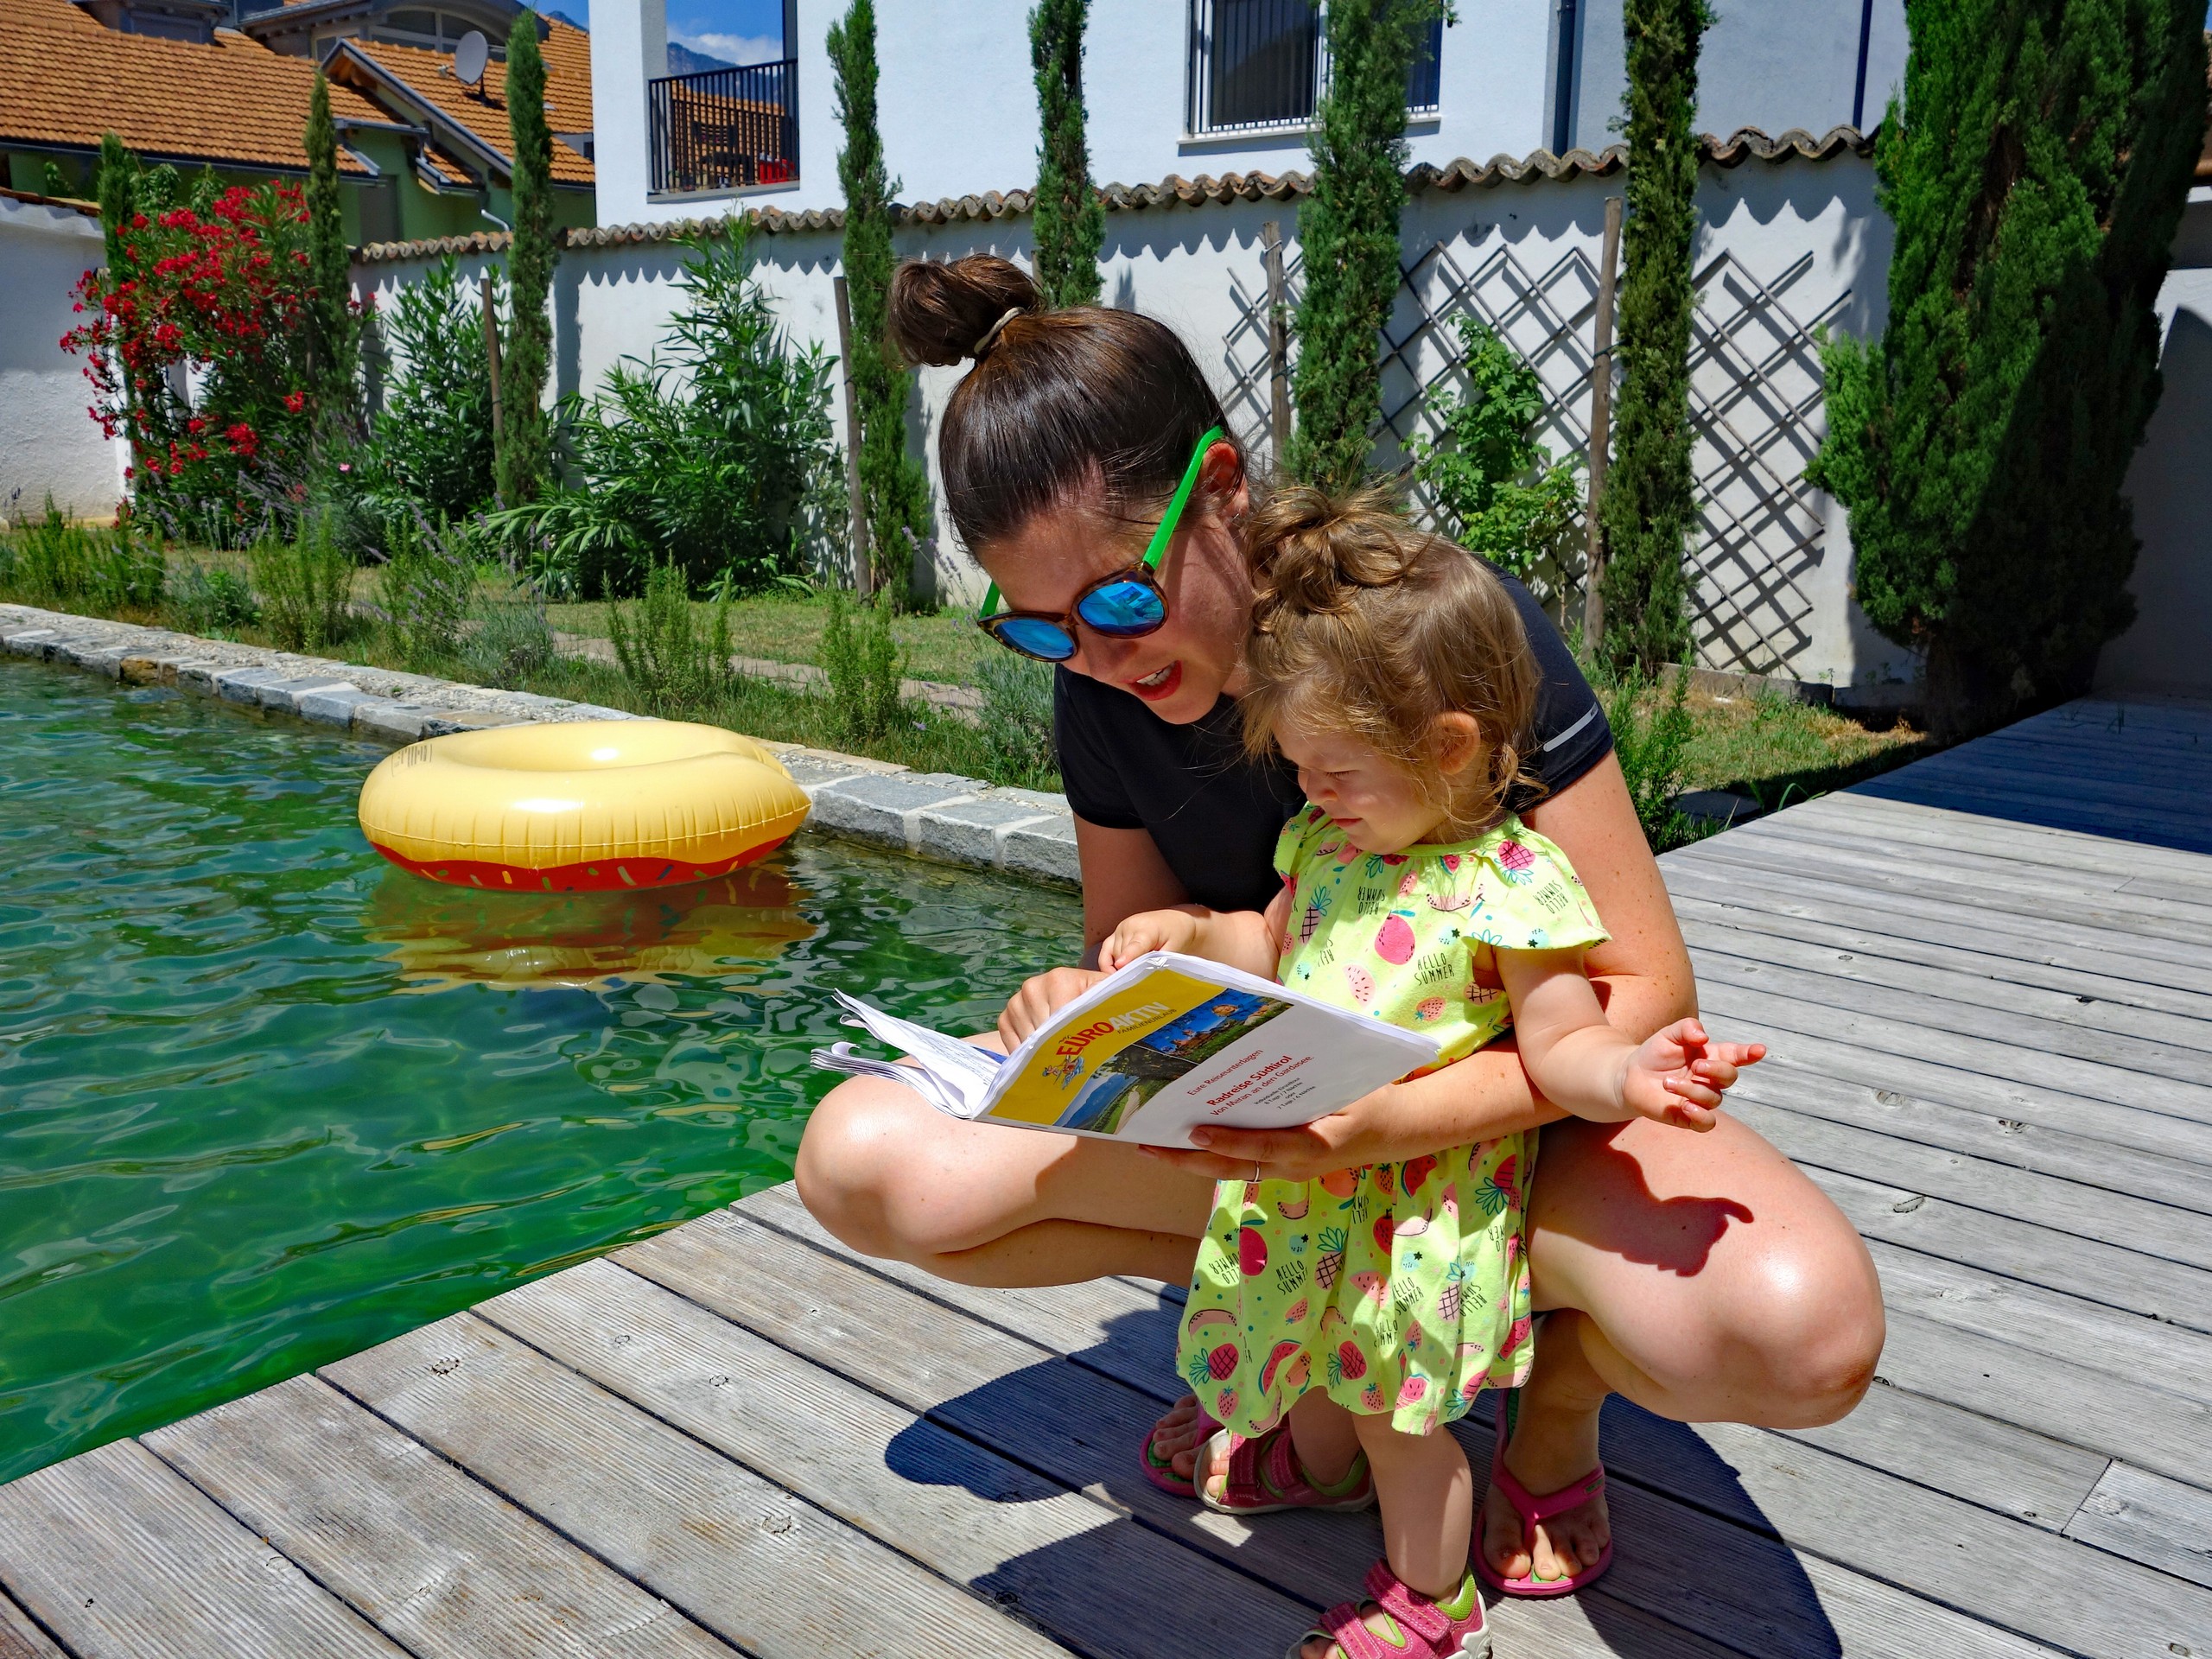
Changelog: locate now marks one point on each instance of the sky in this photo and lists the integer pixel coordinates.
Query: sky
(736, 31)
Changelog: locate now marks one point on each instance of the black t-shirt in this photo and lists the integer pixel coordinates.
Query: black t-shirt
(1215, 813)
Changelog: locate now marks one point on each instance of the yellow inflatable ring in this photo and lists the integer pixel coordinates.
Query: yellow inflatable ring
(574, 808)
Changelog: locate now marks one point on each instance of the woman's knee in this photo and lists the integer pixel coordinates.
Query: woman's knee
(849, 1171)
(1809, 1329)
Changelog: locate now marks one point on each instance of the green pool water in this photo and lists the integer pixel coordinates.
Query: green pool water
(265, 1101)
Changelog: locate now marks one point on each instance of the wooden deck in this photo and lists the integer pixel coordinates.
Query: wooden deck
(1984, 980)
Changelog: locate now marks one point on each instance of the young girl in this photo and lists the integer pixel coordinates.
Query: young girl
(1350, 1319)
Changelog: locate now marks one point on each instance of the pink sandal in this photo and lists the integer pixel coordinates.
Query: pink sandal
(1265, 1475)
(1424, 1630)
(1161, 1472)
(1534, 1510)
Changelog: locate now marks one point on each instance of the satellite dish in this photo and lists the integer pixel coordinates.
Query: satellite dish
(470, 56)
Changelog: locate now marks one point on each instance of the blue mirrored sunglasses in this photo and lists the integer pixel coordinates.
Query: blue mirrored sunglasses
(1126, 605)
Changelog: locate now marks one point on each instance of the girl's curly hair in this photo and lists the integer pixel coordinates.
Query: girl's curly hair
(1367, 626)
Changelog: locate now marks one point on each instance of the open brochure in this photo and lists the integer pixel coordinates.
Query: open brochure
(1147, 1054)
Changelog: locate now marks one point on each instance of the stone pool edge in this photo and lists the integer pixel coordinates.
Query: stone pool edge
(1025, 833)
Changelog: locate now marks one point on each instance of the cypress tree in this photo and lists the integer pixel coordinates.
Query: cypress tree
(1649, 510)
(333, 340)
(1349, 229)
(524, 446)
(1068, 220)
(2036, 173)
(117, 167)
(892, 484)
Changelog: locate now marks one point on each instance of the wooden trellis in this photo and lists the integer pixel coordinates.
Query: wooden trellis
(1756, 396)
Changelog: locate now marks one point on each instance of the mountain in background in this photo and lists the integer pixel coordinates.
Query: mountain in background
(683, 61)
(563, 17)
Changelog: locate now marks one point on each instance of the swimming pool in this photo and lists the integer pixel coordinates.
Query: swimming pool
(265, 1100)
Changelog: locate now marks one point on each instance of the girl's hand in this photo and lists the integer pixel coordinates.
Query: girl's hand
(1678, 1075)
(1039, 999)
(1151, 929)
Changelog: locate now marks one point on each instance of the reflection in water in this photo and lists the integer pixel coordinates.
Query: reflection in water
(443, 937)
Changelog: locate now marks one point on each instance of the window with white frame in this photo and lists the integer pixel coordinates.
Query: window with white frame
(1256, 65)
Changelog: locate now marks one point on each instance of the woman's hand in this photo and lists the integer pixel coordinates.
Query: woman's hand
(1678, 1075)
(1150, 929)
(1040, 997)
(1343, 1140)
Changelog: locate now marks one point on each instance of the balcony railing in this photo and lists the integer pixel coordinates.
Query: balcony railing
(725, 129)
(1258, 64)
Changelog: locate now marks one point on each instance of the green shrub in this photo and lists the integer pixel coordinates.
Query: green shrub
(214, 600)
(426, 591)
(2035, 171)
(864, 665)
(510, 642)
(1653, 750)
(1498, 490)
(80, 567)
(432, 439)
(305, 586)
(700, 458)
(1017, 718)
(673, 668)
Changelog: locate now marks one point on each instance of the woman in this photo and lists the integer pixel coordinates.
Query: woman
(1087, 465)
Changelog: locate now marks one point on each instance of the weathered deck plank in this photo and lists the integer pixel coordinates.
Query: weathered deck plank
(434, 1560)
(774, 1574)
(119, 1557)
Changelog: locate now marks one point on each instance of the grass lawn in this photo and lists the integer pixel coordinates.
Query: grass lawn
(787, 628)
(1781, 752)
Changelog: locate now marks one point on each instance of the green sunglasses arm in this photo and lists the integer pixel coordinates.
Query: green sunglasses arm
(1158, 548)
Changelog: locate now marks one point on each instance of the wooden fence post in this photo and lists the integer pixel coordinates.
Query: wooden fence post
(863, 567)
(1278, 344)
(1601, 421)
(491, 348)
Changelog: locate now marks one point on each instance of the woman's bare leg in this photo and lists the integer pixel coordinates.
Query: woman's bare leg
(984, 1204)
(1708, 1280)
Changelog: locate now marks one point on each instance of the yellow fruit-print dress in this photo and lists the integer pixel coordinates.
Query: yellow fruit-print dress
(1400, 1287)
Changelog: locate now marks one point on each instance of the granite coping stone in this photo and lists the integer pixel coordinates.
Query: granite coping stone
(942, 816)
(974, 831)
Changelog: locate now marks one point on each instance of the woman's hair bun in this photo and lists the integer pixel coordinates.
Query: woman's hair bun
(940, 312)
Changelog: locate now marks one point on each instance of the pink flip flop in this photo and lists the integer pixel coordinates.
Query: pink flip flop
(1534, 1510)
(1161, 1472)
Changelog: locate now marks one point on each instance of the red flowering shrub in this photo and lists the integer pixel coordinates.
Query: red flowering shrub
(197, 350)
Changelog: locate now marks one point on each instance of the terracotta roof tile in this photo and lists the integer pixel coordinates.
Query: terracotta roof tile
(1748, 145)
(65, 80)
(483, 113)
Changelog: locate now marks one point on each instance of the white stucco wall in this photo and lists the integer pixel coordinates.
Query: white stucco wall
(958, 108)
(48, 444)
(2169, 650)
